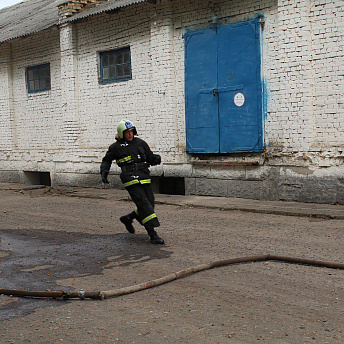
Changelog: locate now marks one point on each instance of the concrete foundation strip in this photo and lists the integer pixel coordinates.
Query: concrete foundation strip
(81, 294)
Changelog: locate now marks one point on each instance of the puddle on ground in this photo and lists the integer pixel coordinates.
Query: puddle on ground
(36, 259)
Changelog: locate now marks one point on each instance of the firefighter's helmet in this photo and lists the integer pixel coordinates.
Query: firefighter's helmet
(125, 125)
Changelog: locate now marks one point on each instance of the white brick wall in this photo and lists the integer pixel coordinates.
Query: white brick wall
(34, 117)
(6, 97)
(309, 77)
(68, 129)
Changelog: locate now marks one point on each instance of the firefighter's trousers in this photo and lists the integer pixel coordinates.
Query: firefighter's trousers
(143, 197)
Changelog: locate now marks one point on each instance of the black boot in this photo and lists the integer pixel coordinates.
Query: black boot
(128, 223)
(155, 239)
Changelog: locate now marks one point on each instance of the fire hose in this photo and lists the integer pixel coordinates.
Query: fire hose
(81, 294)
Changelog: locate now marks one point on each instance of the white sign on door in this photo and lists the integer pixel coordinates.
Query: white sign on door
(239, 99)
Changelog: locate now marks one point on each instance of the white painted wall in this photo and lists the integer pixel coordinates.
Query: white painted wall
(66, 130)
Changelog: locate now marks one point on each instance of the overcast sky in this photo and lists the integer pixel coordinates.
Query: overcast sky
(6, 3)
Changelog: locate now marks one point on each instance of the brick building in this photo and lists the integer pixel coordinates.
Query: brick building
(241, 98)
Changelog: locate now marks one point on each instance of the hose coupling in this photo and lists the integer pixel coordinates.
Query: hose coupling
(81, 294)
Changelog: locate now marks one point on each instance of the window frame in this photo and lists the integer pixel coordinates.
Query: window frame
(115, 53)
(40, 78)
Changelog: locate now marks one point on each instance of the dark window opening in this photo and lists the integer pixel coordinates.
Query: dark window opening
(168, 185)
(38, 178)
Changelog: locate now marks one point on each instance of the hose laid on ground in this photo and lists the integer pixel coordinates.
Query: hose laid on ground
(81, 294)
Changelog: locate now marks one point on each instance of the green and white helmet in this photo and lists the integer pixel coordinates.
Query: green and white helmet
(124, 125)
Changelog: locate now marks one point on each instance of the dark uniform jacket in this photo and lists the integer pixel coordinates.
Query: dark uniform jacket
(134, 157)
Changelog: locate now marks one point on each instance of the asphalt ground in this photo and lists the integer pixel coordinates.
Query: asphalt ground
(65, 238)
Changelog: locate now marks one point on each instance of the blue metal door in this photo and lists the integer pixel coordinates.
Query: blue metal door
(202, 120)
(223, 89)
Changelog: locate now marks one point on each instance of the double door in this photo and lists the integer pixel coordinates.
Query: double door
(223, 104)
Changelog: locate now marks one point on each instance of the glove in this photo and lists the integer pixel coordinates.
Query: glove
(156, 159)
(104, 176)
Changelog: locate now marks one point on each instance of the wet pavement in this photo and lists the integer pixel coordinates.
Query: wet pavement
(36, 259)
(49, 256)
